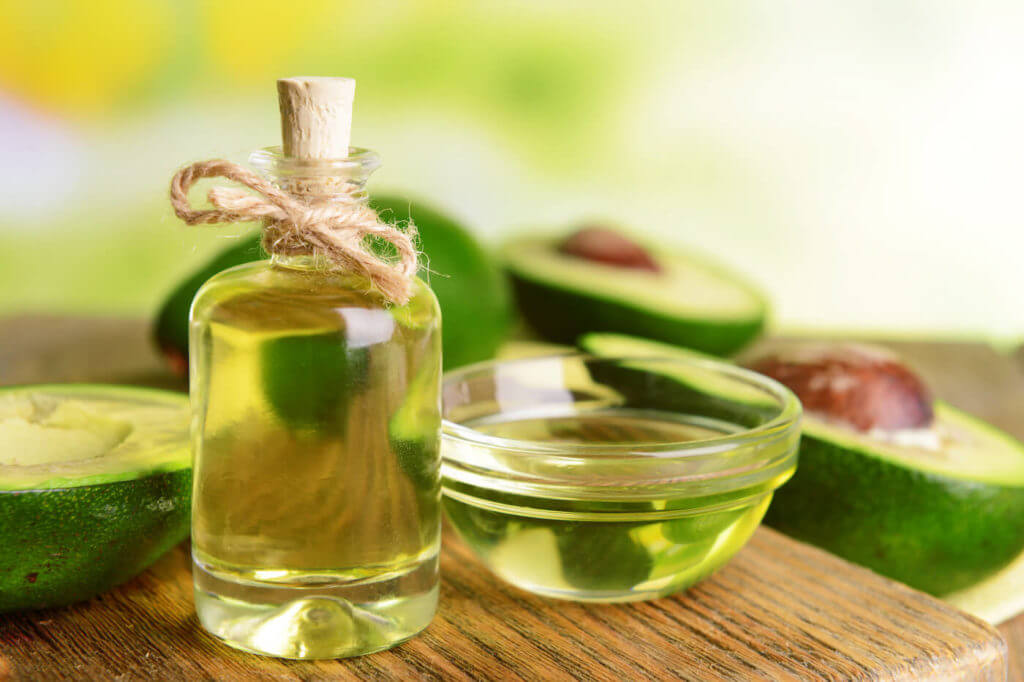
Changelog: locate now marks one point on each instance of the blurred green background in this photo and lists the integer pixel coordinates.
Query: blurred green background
(859, 161)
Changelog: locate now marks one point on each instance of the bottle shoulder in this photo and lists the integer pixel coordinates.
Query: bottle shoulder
(265, 289)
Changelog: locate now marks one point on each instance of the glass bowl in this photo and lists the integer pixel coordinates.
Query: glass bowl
(612, 479)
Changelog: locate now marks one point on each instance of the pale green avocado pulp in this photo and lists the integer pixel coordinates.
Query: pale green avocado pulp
(962, 447)
(686, 287)
(74, 435)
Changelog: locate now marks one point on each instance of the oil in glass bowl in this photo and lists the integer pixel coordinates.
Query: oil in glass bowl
(593, 494)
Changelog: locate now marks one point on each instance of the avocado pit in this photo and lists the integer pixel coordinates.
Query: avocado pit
(604, 245)
(862, 386)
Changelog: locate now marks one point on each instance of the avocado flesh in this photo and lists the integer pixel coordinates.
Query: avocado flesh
(37, 431)
(689, 303)
(95, 485)
(964, 447)
(70, 435)
(938, 519)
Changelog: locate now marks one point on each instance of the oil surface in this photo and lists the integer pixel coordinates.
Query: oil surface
(316, 496)
(609, 426)
(587, 549)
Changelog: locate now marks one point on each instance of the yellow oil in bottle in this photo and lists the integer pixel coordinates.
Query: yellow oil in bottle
(315, 434)
(574, 544)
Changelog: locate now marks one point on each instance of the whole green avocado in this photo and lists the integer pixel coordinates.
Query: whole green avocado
(476, 306)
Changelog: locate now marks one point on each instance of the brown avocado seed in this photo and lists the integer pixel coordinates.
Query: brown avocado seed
(863, 386)
(604, 245)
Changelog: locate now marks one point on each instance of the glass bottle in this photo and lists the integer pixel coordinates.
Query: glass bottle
(316, 421)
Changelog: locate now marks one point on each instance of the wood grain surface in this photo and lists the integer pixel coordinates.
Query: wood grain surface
(779, 610)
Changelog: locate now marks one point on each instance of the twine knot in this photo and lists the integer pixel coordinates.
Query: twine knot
(335, 227)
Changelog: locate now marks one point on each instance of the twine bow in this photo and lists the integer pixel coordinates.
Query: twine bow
(335, 228)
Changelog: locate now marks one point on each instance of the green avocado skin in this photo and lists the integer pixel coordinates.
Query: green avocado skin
(475, 300)
(643, 389)
(562, 316)
(66, 545)
(476, 304)
(171, 328)
(906, 524)
(310, 380)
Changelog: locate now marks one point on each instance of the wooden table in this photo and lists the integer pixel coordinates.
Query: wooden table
(780, 610)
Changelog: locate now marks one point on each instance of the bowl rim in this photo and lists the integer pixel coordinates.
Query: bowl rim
(776, 439)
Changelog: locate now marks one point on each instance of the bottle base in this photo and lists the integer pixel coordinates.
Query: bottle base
(322, 620)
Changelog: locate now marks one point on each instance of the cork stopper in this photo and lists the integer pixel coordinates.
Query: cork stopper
(316, 116)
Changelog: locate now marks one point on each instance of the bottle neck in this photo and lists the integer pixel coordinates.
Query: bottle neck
(295, 262)
(315, 181)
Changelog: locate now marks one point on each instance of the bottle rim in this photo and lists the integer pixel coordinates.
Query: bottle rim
(358, 164)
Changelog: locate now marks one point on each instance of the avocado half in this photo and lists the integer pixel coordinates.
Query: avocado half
(476, 304)
(95, 485)
(687, 301)
(938, 519)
